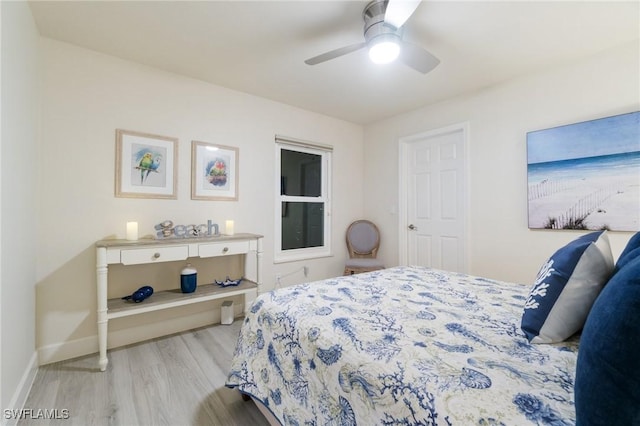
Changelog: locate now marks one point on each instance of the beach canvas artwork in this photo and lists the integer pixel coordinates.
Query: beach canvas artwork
(586, 175)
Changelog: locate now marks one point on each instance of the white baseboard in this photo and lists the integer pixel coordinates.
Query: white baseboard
(22, 392)
(116, 338)
(67, 350)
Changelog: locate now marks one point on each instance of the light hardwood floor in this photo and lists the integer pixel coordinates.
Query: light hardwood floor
(174, 380)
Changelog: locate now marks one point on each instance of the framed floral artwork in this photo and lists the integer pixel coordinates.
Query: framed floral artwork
(146, 165)
(214, 172)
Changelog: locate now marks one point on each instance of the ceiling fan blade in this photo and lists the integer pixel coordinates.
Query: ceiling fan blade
(398, 11)
(418, 58)
(335, 53)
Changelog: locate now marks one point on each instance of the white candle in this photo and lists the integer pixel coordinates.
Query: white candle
(228, 226)
(132, 231)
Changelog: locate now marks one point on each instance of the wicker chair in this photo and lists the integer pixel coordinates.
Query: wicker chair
(363, 241)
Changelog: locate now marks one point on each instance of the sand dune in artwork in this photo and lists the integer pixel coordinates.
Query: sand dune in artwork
(596, 202)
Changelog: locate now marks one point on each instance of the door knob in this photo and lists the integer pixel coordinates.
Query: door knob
(412, 227)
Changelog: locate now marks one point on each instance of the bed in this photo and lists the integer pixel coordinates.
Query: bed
(405, 345)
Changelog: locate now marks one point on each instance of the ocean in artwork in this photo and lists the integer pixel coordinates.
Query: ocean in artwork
(605, 166)
(601, 192)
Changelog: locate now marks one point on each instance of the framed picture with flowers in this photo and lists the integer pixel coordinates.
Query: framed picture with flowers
(214, 172)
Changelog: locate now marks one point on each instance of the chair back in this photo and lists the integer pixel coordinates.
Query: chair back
(363, 239)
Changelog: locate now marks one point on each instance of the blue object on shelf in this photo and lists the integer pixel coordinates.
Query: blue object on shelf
(229, 282)
(188, 279)
(140, 294)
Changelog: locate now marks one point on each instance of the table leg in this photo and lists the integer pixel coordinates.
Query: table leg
(101, 275)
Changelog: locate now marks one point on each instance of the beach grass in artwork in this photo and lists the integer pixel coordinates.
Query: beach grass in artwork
(585, 175)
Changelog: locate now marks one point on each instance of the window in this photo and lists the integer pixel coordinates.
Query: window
(303, 205)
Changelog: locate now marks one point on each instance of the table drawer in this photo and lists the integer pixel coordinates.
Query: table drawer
(153, 255)
(223, 249)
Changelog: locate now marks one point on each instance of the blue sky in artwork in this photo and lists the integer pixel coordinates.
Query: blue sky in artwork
(605, 136)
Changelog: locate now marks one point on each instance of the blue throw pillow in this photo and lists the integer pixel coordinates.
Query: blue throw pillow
(628, 257)
(631, 251)
(566, 287)
(607, 385)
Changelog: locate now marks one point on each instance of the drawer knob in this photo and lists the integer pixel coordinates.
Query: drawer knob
(226, 249)
(156, 255)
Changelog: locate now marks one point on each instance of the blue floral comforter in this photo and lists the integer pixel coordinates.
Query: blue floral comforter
(405, 345)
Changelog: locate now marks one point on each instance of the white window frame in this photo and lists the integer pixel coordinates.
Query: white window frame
(325, 151)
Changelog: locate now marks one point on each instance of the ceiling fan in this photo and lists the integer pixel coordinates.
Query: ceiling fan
(383, 27)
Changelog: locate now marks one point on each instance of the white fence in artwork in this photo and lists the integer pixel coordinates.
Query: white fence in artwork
(549, 187)
(581, 209)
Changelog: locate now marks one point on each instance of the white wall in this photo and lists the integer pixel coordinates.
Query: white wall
(18, 212)
(86, 97)
(500, 244)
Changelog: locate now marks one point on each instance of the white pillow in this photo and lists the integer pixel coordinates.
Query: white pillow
(566, 287)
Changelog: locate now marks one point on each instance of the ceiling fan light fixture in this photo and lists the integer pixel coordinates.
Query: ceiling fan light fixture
(384, 51)
(384, 22)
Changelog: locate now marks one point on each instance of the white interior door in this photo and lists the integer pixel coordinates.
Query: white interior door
(433, 219)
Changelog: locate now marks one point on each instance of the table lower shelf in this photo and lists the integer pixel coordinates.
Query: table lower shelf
(117, 308)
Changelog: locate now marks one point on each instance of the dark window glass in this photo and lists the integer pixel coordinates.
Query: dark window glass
(302, 225)
(301, 174)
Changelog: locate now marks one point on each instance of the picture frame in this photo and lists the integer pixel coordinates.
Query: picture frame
(585, 175)
(214, 171)
(146, 165)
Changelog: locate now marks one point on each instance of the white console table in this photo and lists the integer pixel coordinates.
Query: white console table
(148, 251)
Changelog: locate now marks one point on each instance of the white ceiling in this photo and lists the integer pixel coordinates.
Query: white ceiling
(259, 47)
